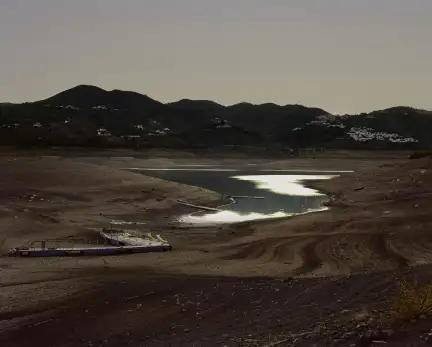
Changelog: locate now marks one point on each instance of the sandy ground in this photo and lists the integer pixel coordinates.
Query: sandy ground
(218, 285)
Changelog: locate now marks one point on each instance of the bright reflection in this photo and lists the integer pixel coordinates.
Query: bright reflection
(223, 217)
(228, 217)
(286, 184)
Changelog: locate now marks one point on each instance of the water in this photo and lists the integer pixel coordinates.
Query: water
(280, 195)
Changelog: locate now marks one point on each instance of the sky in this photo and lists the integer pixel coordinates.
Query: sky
(346, 56)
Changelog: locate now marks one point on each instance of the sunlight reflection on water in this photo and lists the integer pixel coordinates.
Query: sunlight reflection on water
(290, 185)
(227, 217)
(286, 184)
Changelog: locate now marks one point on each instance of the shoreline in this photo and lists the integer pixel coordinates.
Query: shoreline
(218, 285)
(325, 207)
(201, 208)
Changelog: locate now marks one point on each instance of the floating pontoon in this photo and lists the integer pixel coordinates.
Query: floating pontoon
(121, 242)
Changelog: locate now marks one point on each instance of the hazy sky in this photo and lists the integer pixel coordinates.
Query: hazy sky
(341, 55)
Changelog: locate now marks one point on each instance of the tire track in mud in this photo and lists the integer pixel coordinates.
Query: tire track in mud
(336, 251)
(416, 247)
(249, 251)
(379, 244)
(357, 252)
(310, 258)
(276, 252)
(349, 252)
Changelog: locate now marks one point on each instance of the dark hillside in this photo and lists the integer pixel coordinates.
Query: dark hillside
(89, 115)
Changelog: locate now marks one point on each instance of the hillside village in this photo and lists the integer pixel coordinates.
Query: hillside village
(91, 116)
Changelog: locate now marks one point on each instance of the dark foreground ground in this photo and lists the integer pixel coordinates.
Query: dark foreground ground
(143, 309)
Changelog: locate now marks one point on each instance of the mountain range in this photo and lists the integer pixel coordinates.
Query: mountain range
(90, 116)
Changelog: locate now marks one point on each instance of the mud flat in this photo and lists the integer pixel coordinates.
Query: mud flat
(219, 286)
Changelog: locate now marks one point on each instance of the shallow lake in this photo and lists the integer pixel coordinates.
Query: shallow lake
(275, 193)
